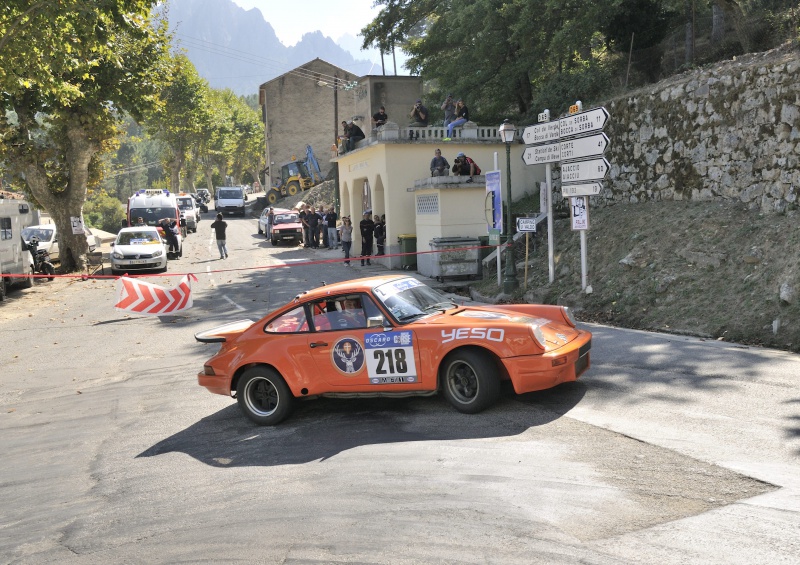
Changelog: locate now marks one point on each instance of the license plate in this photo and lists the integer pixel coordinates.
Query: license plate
(139, 261)
(287, 237)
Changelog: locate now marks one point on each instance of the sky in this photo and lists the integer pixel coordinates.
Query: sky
(333, 18)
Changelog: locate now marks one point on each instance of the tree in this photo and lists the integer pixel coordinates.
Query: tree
(180, 119)
(67, 70)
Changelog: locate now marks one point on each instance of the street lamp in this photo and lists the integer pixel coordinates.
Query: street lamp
(510, 283)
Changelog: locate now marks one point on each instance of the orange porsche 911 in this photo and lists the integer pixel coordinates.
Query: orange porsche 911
(390, 336)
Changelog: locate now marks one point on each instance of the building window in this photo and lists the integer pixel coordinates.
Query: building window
(5, 228)
(427, 204)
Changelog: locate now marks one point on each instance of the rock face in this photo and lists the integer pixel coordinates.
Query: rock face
(731, 131)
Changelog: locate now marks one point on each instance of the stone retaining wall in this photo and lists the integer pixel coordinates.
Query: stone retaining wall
(731, 131)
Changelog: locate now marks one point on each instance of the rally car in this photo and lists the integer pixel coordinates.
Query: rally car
(390, 336)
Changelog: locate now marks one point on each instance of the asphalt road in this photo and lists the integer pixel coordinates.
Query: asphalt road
(669, 449)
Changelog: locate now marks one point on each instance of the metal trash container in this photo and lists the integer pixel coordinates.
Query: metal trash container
(452, 259)
(408, 244)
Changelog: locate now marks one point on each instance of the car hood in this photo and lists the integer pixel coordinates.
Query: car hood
(293, 226)
(556, 333)
(138, 249)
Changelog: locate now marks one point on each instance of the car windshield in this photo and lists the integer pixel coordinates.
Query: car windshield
(151, 216)
(229, 194)
(408, 299)
(43, 234)
(138, 238)
(286, 219)
(185, 203)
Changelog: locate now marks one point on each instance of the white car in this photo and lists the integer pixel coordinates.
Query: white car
(48, 238)
(189, 211)
(137, 249)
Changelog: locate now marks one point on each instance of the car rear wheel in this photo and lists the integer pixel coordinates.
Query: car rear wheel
(470, 381)
(263, 396)
(28, 282)
(260, 231)
(274, 241)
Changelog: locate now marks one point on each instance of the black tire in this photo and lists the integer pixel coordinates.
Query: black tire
(272, 197)
(260, 231)
(116, 273)
(469, 381)
(28, 282)
(293, 188)
(49, 270)
(263, 396)
(2, 288)
(274, 241)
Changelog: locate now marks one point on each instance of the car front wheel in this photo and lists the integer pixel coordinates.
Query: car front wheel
(470, 381)
(263, 396)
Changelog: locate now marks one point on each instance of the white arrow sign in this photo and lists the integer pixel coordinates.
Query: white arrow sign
(541, 154)
(540, 133)
(589, 189)
(582, 147)
(594, 169)
(583, 122)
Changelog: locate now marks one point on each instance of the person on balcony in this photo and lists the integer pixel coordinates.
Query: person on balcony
(449, 107)
(420, 115)
(379, 118)
(462, 117)
(439, 165)
(355, 134)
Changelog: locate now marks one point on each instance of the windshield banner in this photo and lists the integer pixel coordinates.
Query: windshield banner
(134, 295)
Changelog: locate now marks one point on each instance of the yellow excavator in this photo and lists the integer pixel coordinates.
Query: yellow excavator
(297, 175)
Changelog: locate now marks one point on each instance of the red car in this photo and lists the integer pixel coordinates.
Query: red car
(391, 336)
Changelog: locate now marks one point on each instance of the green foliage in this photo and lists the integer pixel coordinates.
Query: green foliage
(103, 212)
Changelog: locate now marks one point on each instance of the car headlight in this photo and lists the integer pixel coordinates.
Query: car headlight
(299, 231)
(538, 335)
(570, 316)
(117, 255)
(158, 253)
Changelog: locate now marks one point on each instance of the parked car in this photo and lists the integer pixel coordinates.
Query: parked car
(391, 336)
(138, 248)
(287, 228)
(48, 238)
(189, 211)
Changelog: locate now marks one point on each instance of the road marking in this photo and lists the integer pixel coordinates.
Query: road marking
(232, 303)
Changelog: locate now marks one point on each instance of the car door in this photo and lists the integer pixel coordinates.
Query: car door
(358, 352)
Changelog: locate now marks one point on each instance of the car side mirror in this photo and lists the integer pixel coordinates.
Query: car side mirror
(375, 322)
(183, 222)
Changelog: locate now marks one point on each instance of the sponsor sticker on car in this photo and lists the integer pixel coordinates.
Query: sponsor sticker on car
(390, 357)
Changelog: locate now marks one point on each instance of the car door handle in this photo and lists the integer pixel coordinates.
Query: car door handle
(318, 344)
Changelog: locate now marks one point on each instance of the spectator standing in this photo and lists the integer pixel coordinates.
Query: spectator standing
(331, 217)
(306, 234)
(270, 221)
(380, 233)
(449, 108)
(347, 239)
(354, 135)
(367, 229)
(379, 118)
(313, 220)
(439, 165)
(462, 117)
(419, 114)
(220, 226)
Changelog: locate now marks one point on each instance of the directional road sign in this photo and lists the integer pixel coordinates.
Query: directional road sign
(582, 122)
(578, 171)
(588, 189)
(541, 154)
(526, 224)
(582, 147)
(541, 133)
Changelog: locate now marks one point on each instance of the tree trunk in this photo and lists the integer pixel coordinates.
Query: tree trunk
(717, 23)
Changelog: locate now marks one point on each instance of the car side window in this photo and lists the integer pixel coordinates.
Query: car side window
(293, 321)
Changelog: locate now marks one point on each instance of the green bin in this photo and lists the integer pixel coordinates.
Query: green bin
(408, 244)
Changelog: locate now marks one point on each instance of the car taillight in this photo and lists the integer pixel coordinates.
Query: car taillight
(209, 370)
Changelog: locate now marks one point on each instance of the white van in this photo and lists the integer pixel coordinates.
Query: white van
(15, 259)
(154, 205)
(230, 199)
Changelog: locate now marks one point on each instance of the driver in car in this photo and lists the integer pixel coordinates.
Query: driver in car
(352, 316)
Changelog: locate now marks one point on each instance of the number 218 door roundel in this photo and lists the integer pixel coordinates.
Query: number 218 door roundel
(390, 358)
